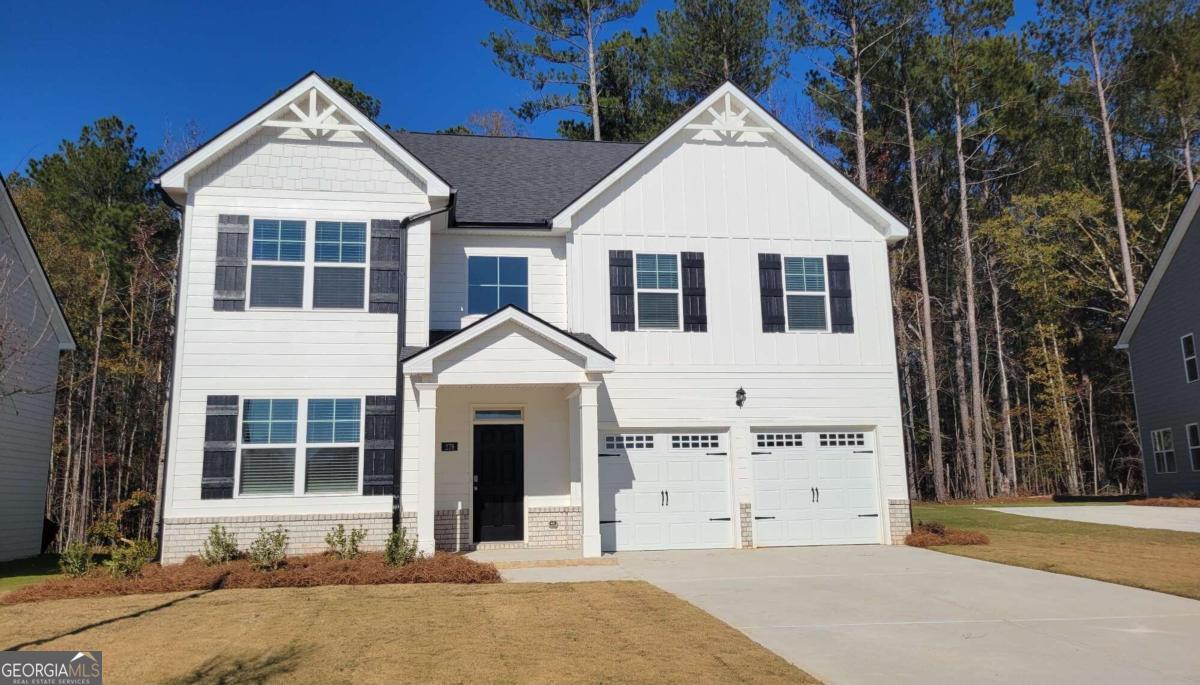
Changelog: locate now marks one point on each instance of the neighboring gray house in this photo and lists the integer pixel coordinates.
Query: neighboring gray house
(32, 333)
(1162, 338)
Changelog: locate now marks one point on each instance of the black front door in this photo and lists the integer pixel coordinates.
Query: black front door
(499, 482)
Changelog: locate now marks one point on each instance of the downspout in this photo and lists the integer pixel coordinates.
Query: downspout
(401, 338)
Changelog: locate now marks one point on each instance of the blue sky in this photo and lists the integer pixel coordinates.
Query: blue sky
(159, 65)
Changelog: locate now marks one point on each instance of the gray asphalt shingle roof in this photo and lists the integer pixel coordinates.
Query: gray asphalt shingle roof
(514, 180)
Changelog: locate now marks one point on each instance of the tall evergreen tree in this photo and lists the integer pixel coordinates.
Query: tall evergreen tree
(708, 42)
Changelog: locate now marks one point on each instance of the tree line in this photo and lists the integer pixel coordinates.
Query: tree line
(1039, 167)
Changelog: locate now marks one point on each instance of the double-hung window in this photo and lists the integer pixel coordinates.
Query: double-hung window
(805, 289)
(1163, 443)
(495, 282)
(331, 456)
(1191, 370)
(268, 447)
(658, 293)
(277, 263)
(339, 272)
(1193, 435)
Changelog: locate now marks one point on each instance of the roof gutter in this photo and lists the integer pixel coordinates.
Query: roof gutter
(401, 337)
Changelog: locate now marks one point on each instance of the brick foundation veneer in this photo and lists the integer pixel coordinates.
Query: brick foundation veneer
(560, 527)
(183, 537)
(452, 530)
(901, 520)
(746, 524)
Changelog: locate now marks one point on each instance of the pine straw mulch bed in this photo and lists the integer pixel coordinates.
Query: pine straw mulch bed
(301, 571)
(938, 535)
(1186, 502)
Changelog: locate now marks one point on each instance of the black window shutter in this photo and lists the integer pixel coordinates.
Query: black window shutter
(220, 447)
(770, 286)
(229, 287)
(841, 310)
(384, 292)
(695, 309)
(380, 451)
(620, 289)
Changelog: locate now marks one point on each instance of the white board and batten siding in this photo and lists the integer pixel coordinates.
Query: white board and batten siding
(279, 174)
(733, 202)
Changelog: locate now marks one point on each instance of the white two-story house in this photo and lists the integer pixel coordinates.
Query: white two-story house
(595, 346)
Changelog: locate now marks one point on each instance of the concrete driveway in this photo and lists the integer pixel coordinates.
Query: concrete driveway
(1169, 518)
(895, 615)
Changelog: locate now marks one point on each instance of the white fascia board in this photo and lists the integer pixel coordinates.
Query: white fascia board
(594, 362)
(174, 179)
(892, 228)
(1160, 267)
(33, 267)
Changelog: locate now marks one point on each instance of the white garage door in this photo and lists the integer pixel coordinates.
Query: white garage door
(815, 488)
(664, 491)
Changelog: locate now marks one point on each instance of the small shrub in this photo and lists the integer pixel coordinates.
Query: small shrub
(220, 547)
(76, 560)
(932, 527)
(268, 551)
(399, 550)
(129, 556)
(344, 546)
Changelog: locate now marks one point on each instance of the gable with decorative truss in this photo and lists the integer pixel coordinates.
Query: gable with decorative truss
(730, 123)
(308, 111)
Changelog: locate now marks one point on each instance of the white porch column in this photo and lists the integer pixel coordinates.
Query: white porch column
(427, 453)
(589, 467)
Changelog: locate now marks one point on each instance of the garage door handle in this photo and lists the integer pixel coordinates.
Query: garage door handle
(604, 522)
(864, 451)
(868, 516)
(609, 454)
(760, 453)
(715, 454)
(721, 519)
(764, 518)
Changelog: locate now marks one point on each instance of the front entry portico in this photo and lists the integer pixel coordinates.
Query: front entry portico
(506, 436)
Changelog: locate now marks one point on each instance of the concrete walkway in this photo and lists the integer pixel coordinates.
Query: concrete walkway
(894, 615)
(1168, 518)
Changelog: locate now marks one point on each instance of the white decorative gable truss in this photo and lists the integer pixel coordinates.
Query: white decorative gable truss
(310, 107)
(732, 117)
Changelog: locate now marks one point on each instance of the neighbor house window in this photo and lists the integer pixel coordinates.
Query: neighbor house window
(658, 294)
(343, 243)
(1193, 433)
(1163, 443)
(495, 282)
(331, 456)
(805, 289)
(268, 470)
(277, 263)
(1190, 369)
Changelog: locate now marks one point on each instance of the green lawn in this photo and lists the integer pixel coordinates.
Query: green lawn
(1163, 560)
(22, 572)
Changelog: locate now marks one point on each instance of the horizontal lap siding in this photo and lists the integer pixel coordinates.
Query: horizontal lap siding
(26, 418)
(732, 202)
(448, 279)
(290, 353)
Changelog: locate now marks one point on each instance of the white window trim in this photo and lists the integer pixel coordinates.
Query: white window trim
(309, 265)
(1154, 447)
(1192, 446)
(299, 445)
(787, 323)
(1195, 352)
(678, 290)
(497, 407)
(466, 304)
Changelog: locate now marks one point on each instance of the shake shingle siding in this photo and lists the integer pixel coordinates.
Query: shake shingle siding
(514, 180)
(1164, 397)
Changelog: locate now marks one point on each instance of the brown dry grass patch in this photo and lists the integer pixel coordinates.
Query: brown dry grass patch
(934, 534)
(611, 632)
(303, 571)
(1186, 502)
(1162, 560)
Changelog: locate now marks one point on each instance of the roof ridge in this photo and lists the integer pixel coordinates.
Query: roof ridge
(534, 138)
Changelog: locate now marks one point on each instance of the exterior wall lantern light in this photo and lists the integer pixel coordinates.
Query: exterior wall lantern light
(741, 397)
